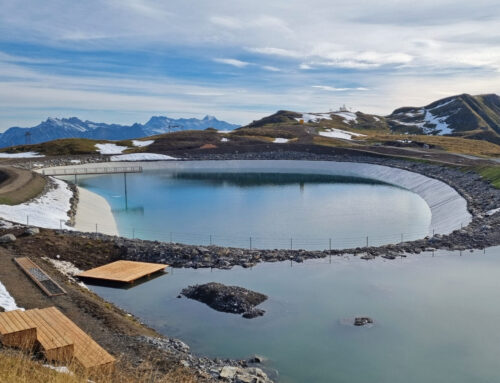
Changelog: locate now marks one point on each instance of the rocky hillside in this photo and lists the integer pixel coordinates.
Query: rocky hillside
(55, 128)
(464, 115)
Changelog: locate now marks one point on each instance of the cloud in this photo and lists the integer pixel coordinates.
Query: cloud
(271, 68)
(233, 62)
(334, 89)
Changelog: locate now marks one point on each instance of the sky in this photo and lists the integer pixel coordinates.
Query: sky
(123, 61)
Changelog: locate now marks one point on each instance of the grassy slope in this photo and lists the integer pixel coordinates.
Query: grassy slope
(491, 173)
(17, 367)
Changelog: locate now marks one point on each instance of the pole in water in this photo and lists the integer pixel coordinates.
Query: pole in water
(126, 195)
(291, 243)
(27, 220)
(60, 224)
(401, 237)
(366, 241)
(96, 227)
(76, 180)
(133, 233)
(250, 243)
(330, 244)
(210, 239)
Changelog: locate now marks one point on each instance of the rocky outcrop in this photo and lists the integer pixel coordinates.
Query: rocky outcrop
(229, 299)
(7, 238)
(362, 321)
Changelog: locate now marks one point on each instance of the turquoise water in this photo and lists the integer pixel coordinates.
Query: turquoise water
(436, 318)
(262, 210)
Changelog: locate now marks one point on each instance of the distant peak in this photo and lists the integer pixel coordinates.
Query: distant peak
(209, 118)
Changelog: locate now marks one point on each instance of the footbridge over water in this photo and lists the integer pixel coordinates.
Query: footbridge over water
(87, 171)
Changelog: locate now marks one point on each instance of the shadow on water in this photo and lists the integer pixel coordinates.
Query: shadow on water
(271, 179)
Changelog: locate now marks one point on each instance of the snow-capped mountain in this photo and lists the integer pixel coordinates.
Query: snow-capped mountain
(463, 115)
(55, 128)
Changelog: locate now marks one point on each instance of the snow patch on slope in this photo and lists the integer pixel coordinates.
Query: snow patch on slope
(339, 133)
(50, 210)
(142, 144)
(280, 140)
(21, 155)
(110, 148)
(7, 302)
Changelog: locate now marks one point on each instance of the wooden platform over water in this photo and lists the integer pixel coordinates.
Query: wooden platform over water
(123, 271)
(56, 335)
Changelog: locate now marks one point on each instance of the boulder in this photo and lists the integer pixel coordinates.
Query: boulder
(229, 299)
(362, 321)
(7, 238)
(32, 231)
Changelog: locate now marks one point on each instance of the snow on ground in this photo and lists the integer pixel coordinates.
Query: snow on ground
(376, 118)
(310, 117)
(224, 131)
(338, 133)
(75, 161)
(347, 116)
(141, 157)
(50, 210)
(110, 148)
(142, 144)
(440, 123)
(280, 140)
(224, 139)
(21, 155)
(493, 211)
(66, 268)
(6, 301)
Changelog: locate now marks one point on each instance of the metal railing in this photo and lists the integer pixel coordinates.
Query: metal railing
(92, 170)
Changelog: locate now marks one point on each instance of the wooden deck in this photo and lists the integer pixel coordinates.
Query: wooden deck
(40, 277)
(123, 271)
(57, 336)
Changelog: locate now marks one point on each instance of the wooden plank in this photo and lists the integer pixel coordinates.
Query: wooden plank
(123, 271)
(86, 351)
(15, 331)
(56, 345)
(28, 266)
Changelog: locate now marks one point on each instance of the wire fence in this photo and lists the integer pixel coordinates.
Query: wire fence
(258, 241)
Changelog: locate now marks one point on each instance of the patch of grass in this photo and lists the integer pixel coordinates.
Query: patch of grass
(491, 173)
(17, 367)
(450, 144)
(65, 146)
(328, 141)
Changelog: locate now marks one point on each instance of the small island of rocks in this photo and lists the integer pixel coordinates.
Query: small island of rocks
(229, 299)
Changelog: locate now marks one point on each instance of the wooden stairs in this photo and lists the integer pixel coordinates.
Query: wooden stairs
(56, 335)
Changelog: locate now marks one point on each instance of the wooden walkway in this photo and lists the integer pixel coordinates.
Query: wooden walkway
(40, 277)
(58, 337)
(123, 271)
(91, 170)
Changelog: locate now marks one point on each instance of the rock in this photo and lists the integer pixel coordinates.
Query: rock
(362, 321)
(32, 231)
(1, 309)
(253, 313)
(228, 372)
(230, 299)
(257, 359)
(7, 238)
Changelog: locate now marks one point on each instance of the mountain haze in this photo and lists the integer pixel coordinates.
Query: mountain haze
(54, 128)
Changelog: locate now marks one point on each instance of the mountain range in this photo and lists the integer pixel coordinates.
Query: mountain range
(475, 117)
(463, 115)
(55, 128)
